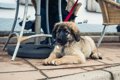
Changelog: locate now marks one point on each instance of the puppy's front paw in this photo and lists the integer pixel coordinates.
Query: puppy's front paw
(56, 62)
(52, 61)
(47, 61)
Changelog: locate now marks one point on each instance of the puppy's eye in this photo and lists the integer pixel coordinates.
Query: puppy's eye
(67, 32)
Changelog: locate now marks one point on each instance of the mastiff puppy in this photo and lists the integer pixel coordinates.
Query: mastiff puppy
(70, 47)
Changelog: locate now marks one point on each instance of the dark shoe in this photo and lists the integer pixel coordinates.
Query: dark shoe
(29, 25)
(118, 28)
(46, 41)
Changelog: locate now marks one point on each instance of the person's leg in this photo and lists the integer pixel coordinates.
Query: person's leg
(52, 20)
(65, 14)
(43, 21)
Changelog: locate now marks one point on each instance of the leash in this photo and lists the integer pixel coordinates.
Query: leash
(71, 11)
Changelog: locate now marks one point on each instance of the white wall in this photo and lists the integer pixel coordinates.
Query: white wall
(8, 4)
(92, 17)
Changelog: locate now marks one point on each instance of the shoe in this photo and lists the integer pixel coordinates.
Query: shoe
(118, 28)
(46, 41)
(29, 25)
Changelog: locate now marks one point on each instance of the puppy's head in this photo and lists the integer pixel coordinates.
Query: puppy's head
(65, 32)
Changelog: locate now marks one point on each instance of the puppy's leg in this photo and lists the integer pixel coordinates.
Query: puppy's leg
(49, 59)
(95, 54)
(55, 54)
(69, 59)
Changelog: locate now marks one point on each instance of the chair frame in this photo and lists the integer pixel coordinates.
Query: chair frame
(111, 15)
(20, 36)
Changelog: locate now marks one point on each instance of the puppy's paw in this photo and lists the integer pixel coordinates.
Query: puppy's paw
(47, 61)
(96, 56)
(52, 61)
(56, 62)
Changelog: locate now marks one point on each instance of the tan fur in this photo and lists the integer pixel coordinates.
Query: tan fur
(75, 52)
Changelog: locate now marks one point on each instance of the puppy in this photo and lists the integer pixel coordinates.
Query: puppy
(70, 47)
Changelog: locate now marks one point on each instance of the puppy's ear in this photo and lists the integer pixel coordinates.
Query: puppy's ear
(75, 31)
(54, 31)
(76, 35)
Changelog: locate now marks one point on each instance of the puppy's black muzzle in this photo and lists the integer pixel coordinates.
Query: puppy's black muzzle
(62, 37)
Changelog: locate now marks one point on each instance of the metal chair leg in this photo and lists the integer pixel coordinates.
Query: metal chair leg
(21, 32)
(102, 35)
(6, 43)
(13, 26)
(10, 36)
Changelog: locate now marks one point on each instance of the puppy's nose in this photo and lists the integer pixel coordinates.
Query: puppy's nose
(61, 35)
(62, 38)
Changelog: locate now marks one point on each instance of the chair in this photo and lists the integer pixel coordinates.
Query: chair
(111, 15)
(20, 36)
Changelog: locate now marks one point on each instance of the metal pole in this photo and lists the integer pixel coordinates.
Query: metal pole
(38, 20)
(47, 16)
(102, 35)
(60, 10)
(22, 30)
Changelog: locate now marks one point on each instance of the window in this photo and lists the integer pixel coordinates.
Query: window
(118, 1)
